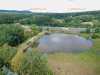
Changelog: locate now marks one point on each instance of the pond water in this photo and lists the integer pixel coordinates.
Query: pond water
(60, 42)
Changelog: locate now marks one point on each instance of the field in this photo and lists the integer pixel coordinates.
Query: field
(86, 63)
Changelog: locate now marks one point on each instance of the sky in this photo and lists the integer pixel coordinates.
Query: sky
(51, 5)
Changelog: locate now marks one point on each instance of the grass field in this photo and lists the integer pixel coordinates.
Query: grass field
(85, 63)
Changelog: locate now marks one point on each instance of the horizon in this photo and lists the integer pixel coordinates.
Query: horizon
(53, 6)
(48, 12)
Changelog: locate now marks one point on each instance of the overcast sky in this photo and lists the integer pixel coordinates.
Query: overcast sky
(50, 5)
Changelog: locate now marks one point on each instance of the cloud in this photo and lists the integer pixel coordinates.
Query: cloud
(51, 5)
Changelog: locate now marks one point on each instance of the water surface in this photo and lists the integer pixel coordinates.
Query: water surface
(60, 42)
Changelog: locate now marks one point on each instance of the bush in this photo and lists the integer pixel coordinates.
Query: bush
(35, 30)
(6, 54)
(31, 63)
(96, 35)
(11, 34)
(97, 30)
(1, 63)
(15, 39)
(1, 73)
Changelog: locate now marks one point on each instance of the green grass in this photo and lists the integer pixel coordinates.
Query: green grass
(84, 35)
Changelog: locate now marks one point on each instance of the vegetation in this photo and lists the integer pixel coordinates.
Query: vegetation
(9, 17)
(6, 54)
(11, 34)
(51, 19)
(35, 29)
(18, 26)
(64, 19)
(31, 63)
(1, 73)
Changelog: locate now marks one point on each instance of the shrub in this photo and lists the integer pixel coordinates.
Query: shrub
(15, 39)
(6, 54)
(1, 73)
(1, 62)
(96, 35)
(11, 34)
(35, 29)
(31, 63)
(97, 30)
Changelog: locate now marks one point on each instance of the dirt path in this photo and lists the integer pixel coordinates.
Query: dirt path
(23, 48)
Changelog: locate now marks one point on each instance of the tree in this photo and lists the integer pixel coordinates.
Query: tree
(6, 54)
(11, 34)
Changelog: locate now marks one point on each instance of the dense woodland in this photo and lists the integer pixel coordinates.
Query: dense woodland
(79, 19)
(50, 19)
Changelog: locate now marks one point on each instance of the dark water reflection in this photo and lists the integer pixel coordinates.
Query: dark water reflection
(60, 42)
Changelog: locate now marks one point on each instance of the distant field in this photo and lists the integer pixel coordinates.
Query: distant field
(85, 63)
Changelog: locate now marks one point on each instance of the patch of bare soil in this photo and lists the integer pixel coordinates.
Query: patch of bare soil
(70, 68)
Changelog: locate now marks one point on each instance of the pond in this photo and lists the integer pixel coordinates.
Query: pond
(60, 42)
